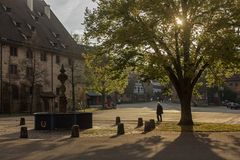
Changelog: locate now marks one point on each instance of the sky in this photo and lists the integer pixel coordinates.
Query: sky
(71, 13)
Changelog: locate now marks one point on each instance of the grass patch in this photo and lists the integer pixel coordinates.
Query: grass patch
(199, 127)
(99, 132)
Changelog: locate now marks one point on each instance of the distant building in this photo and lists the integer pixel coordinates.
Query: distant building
(234, 84)
(33, 46)
(141, 91)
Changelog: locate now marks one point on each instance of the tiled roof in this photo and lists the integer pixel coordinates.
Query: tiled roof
(19, 25)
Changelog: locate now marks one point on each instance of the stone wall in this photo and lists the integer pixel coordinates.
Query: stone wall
(17, 98)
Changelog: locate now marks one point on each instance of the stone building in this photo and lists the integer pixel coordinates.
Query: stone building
(234, 84)
(33, 46)
(138, 91)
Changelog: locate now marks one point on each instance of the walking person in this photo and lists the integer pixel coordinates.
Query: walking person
(159, 112)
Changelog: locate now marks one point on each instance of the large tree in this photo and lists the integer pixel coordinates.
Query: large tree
(100, 76)
(179, 39)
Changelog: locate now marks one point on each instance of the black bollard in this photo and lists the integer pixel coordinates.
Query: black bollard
(140, 122)
(147, 127)
(75, 131)
(22, 121)
(118, 120)
(152, 123)
(24, 132)
(120, 129)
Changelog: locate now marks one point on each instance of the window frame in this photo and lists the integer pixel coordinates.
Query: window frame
(13, 51)
(58, 61)
(29, 54)
(13, 69)
(43, 57)
(29, 72)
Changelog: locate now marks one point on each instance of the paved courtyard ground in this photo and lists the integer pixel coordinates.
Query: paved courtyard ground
(46, 145)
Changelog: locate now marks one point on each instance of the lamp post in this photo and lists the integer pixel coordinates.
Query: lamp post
(222, 94)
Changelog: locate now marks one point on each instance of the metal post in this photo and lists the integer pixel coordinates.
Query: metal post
(1, 109)
(73, 89)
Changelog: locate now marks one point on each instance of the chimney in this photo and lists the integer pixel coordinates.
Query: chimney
(30, 4)
(47, 11)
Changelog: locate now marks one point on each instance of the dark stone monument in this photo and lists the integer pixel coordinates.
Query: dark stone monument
(120, 129)
(24, 132)
(118, 120)
(22, 121)
(51, 121)
(62, 77)
(140, 122)
(62, 120)
(75, 131)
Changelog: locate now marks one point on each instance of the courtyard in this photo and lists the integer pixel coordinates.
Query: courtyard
(101, 142)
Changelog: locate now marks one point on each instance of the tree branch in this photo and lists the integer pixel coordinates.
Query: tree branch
(194, 81)
(173, 78)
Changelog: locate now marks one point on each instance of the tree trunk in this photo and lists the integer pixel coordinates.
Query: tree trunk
(185, 100)
(31, 101)
(103, 100)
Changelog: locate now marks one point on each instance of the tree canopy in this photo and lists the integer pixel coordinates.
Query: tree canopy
(173, 39)
(101, 78)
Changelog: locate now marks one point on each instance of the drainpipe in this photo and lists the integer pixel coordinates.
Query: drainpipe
(1, 109)
(73, 88)
(52, 100)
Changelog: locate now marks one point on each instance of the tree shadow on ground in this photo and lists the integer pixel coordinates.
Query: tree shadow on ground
(188, 146)
(23, 148)
(139, 150)
(38, 134)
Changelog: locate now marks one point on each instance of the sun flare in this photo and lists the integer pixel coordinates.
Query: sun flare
(179, 21)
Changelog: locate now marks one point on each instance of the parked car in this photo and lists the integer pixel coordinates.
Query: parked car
(225, 102)
(229, 104)
(235, 106)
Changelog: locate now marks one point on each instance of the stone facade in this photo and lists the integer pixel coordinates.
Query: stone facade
(17, 83)
(33, 46)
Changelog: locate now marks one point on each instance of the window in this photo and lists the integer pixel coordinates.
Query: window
(24, 36)
(6, 9)
(70, 61)
(57, 91)
(29, 54)
(31, 90)
(13, 69)
(13, 51)
(32, 28)
(29, 72)
(43, 56)
(14, 92)
(57, 59)
(63, 45)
